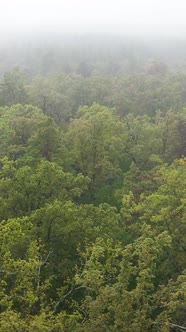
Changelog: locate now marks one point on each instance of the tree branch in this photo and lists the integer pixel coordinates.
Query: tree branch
(172, 325)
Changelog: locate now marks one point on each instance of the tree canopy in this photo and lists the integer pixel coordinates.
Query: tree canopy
(93, 195)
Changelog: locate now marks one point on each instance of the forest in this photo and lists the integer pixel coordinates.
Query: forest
(92, 186)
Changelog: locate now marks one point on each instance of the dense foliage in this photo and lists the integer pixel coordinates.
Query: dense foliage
(93, 196)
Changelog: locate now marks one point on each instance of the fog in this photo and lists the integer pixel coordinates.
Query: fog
(132, 17)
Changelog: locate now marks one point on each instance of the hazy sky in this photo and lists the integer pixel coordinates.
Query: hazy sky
(92, 15)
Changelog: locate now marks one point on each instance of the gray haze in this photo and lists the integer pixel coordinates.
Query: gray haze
(133, 17)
